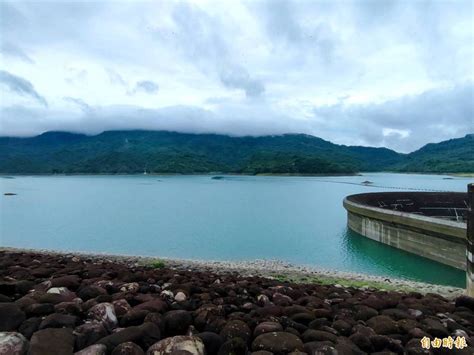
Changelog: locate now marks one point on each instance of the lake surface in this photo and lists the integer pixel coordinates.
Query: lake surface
(295, 219)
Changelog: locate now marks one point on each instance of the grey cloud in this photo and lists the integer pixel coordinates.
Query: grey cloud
(434, 115)
(80, 103)
(115, 78)
(146, 86)
(231, 120)
(239, 78)
(12, 50)
(202, 41)
(280, 20)
(20, 86)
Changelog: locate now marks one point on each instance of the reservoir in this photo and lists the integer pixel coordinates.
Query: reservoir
(295, 219)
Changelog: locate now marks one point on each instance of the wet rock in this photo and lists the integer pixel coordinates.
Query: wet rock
(96, 349)
(63, 291)
(188, 344)
(59, 340)
(342, 327)
(362, 341)
(11, 316)
(57, 320)
(89, 333)
(435, 328)
(180, 297)
(177, 322)
(29, 326)
(235, 346)
(277, 342)
(145, 335)
(121, 307)
(155, 305)
(133, 317)
(73, 308)
(364, 313)
(39, 309)
(318, 335)
(12, 343)
(212, 342)
(383, 325)
(465, 301)
(236, 329)
(70, 281)
(303, 318)
(128, 348)
(105, 313)
(266, 327)
(90, 292)
(319, 348)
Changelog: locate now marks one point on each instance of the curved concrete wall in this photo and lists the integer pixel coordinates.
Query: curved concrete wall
(433, 238)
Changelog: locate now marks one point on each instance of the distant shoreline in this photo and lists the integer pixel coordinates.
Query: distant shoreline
(463, 175)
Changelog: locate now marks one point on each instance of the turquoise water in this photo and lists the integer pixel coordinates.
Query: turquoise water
(295, 219)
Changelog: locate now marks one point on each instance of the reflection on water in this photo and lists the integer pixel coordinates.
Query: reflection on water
(366, 251)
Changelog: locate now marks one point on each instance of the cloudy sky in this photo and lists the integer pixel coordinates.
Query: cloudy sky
(370, 72)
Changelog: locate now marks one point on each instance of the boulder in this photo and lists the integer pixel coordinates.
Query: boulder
(277, 342)
(89, 333)
(70, 281)
(133, 317)
(155, 305)
(121, 307)
(180, 297)
(342, 327)
(189, 344)
(58, 340)
(236, 329)
(362, 341)
(177, 322)
(212, 342)
(465, 301)
(58, 320)
(64, 292)
(105, 313)
(12, 343)
(128, 348)
(96, 349)
(73, 308)
(383, 325)
(11, 316)
(145, 335)
(435, 328)
(89, 292)
(235, 346)
(29, 326)
(318, 335)
(39, 309)
(266, 327)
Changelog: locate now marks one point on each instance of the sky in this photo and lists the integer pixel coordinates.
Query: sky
(387, 73)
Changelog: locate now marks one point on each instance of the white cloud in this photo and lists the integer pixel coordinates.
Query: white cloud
(355, 72)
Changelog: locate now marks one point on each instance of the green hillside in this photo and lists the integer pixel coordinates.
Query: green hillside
(130, 152)
(454, 155)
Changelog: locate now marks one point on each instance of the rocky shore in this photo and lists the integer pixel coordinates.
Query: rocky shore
(90, 305)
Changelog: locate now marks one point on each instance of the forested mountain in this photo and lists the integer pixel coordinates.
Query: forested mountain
(454, 155)
(120, 152)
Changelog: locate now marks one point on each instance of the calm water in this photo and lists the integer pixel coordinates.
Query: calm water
(296, 219)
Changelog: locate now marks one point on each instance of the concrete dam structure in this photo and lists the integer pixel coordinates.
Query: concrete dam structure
(429, 224)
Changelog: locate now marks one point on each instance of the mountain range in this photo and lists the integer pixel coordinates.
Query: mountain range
(131, 152)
